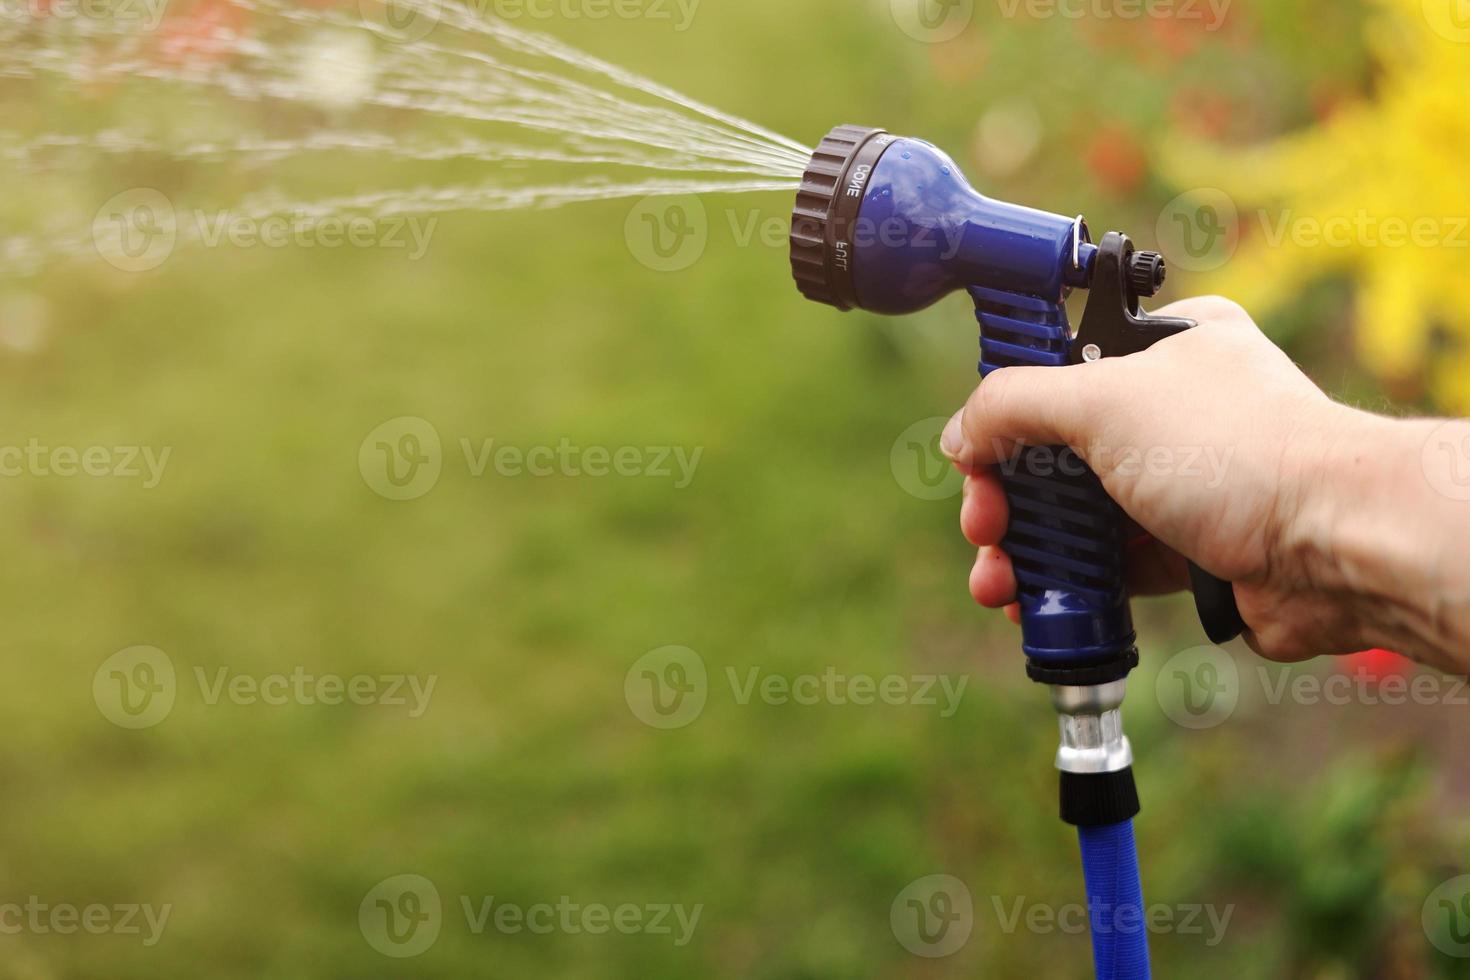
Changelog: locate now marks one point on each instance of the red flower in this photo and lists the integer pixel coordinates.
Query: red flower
(1375, 664)
(204, 35)
(1202, 113)
(1115, 156)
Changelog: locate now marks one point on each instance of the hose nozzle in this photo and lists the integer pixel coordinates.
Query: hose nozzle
(889, 224)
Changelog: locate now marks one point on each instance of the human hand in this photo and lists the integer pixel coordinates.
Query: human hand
(1223, 451)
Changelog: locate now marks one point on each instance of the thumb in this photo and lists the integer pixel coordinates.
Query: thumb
(1037, 406)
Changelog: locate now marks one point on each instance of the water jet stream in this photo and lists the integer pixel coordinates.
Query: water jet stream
(480, 89)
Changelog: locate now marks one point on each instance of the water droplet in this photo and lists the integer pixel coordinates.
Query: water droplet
(907, 155)
(337, 70)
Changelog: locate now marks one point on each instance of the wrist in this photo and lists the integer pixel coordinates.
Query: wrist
(1361, 486)
(1375, 529)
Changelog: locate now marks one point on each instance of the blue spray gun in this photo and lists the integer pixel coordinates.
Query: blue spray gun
(890, 225)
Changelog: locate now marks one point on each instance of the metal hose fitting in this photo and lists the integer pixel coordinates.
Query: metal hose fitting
(1091, 724)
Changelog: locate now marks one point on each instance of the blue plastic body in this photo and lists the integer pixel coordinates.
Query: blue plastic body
(923, 232)
(1115, 902)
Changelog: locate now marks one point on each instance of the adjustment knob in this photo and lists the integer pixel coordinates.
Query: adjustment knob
(1146, 272)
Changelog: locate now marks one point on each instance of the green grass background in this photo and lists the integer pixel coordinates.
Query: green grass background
(794, 549)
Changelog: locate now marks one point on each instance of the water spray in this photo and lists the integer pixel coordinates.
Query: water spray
(889, 224)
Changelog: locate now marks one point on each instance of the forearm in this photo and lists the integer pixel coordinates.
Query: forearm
(1384, 522)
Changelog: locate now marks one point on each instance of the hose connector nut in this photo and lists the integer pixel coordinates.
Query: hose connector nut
(1091, 723)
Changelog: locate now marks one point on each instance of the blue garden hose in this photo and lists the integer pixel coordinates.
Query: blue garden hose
(1114, 901)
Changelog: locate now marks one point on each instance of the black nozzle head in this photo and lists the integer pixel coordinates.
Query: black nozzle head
(826, 210)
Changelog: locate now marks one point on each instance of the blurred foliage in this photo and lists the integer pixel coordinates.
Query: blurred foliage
(1375, 191)
(795, 549)
(1339, 858)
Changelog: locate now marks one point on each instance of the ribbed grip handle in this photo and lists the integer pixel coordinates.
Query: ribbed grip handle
(1065, 536)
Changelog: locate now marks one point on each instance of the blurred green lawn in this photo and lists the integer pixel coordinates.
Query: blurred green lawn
(793, 549)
